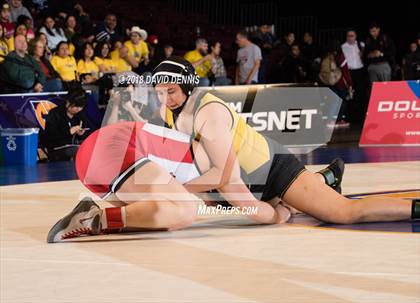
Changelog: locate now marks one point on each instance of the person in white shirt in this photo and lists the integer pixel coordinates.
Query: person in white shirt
(53, 33)
(353, 52)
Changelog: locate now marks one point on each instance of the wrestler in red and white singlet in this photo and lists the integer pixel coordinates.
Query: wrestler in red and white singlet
(113, 153)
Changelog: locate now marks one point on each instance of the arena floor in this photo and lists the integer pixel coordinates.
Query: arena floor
(219, 259)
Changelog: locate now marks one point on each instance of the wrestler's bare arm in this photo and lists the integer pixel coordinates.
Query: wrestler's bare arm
(214, 123)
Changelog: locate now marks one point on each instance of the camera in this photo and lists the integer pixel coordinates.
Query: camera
(125, 96)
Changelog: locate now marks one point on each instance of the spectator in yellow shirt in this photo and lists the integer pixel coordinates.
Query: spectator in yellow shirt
(103, 58)
(64, 64)
(122, 59)
(137, 47)
(86, 67)
(201, 60)
(4, 47)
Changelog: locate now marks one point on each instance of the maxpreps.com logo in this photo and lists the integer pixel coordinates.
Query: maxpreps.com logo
(400, 109)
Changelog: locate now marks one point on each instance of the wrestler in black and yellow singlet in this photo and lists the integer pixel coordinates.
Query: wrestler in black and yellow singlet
(266, 166)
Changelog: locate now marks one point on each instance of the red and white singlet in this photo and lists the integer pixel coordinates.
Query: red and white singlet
(113, 153)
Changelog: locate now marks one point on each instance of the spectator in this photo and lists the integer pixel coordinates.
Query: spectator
(66, 127)
(286, 46)
(411, 63)
(137, 47)
(19, 71)
(29, 26)
(264, 38)
(122, 60)
(294, 68)
(312, 53)
(266, 41)
(152, 44)
(20, 29)
(47, 51)
(310, 50)
(71, 32)
(380, 54)
(84, 24)
(64, 64)
(160, 55)
(18, 9)
(248, 60)
(8, 26)
(218, 67)
(168, 50)
(107, 31)
(87, 69)
(52, 82)
(4, 45)
(335, 74)
(103, 58)
(353, 52)
(54, 34)
(201, 60)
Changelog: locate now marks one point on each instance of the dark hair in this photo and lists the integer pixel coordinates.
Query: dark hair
(98, 49)
(81, 52)
(373, 24)
(110, 14)
(22, 19)
(214, 42)
(173, 67)
(76, 97)
(16, 26)
(59, 44)
(333, 47)
(115, 42)
(50, 32)
(67, 19)
(167, 46)
(243, 33)
(309, 33)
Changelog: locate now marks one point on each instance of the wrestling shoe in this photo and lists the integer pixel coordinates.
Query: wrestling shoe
(333, 174)
(84, 219)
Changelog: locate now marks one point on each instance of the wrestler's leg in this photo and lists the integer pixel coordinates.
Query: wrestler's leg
(152, 198)
(320, 201)
(156, 200)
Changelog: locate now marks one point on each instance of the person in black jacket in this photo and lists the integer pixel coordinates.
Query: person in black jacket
(380, 54)
(294, 68)
(66, 127)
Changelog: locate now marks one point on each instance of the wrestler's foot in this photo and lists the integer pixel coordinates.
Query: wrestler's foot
(84, 219)
(333, 174)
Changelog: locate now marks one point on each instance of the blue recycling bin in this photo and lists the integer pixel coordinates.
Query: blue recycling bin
(19, 146)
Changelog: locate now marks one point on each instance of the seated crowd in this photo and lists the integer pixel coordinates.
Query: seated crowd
(59, 51)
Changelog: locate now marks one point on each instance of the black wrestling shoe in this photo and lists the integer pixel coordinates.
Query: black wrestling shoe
(415, 209)
(333, 174)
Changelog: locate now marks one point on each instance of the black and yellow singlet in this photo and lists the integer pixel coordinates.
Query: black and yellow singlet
(251, 147)
(266, 165)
